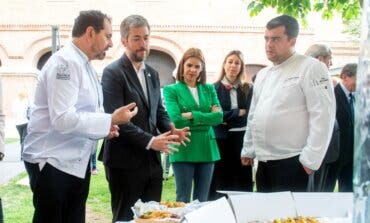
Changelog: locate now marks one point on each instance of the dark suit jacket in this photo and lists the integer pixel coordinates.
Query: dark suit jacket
(333, 151)
(231, 116)
(121, 86)
(345, 123)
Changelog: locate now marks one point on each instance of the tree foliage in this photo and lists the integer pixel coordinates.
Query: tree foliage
(348, 9)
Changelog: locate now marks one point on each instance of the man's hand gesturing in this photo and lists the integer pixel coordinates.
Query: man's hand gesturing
(123, 115)
(163, 143)
(181, 133)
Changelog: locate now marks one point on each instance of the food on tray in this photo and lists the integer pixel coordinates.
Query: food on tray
(158, 215)
(171, 204)
(296, 220)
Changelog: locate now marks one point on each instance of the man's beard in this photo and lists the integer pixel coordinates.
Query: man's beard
(100, 56)
(136, 58)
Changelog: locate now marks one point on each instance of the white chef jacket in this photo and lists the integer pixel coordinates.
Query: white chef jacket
(67, 119)
(292, 112)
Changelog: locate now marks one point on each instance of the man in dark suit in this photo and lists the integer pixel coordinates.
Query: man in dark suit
(343, 167)
(132, 161)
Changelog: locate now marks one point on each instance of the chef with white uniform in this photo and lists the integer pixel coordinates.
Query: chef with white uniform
(67, 121)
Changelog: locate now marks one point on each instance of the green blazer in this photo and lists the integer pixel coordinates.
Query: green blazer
(203, 146)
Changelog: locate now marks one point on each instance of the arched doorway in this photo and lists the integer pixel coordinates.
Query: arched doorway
(251, 70)
(43, 59)
(164, 64)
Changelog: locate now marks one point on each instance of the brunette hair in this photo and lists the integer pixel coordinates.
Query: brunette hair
(192, 52)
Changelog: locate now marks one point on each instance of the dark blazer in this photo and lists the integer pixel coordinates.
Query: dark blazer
(333, 151)
(345, 123)
(121, 86)
(231, 118)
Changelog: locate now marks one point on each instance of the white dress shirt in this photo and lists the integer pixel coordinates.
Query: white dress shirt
(67, 119)
(292, 112)
(346, 92)
(234, 102)
(194, 93)
(141, 76)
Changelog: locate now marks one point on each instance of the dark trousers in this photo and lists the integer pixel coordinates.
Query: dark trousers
(22, 131)
(57, 196)
(1, 213)
(127, 186)
(229, 174)
(324, 182)
(93, 161)
(281, 175)
(342, 170)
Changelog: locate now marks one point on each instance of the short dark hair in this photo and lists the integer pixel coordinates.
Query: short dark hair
(132, 21)
(94, 18)
(349, 70)
(192, 52)
(289, 22)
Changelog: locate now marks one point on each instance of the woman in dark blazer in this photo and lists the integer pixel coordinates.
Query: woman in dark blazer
(191, 102)
(235, 98)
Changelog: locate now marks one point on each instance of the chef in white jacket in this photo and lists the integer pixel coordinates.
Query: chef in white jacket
(67, 121)
(292, 113)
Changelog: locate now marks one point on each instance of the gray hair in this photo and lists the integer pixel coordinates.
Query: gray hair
(317, 50)
(132, 21)
(349, 70)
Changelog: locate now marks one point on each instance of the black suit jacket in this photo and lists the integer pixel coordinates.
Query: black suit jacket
(345, 123)
(121, 86)
(231, 116)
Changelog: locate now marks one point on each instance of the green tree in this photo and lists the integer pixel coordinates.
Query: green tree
(348, 9)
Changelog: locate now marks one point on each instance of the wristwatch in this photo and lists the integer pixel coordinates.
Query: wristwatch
(1, 156)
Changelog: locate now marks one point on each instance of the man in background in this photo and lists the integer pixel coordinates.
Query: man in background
(321, 52)
(322, 183)
(345, 98)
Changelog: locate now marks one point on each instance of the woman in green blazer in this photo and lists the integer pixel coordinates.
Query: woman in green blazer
(191, 102)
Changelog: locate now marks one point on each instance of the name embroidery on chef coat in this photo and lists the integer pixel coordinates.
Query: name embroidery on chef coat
(62, 72)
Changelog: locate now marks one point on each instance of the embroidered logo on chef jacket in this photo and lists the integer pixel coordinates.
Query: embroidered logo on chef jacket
(291, 81)
(323, 82)
(63, 72)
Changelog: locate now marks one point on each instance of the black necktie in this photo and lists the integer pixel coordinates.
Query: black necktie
(351, 105)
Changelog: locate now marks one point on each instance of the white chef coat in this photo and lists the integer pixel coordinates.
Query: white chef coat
(292, 112)
(67, 119)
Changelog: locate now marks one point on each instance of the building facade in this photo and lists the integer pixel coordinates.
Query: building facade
(214, 26)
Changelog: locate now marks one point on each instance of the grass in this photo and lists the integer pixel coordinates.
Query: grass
(10, 140)
(17, 199)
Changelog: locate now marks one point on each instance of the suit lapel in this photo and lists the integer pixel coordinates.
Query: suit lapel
(149, 86)
(202, 94)
(133, 78)
(186, 96)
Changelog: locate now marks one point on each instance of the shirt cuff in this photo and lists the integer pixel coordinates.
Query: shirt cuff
(150, 143)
